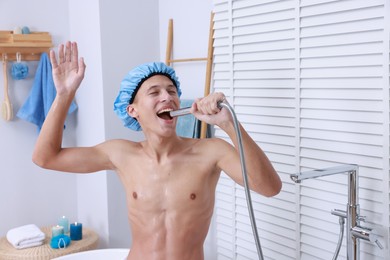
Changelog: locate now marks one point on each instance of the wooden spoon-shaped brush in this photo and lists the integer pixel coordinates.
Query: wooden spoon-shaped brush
(6, 107)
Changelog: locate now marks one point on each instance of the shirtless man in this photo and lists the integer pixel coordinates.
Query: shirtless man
(169, 181)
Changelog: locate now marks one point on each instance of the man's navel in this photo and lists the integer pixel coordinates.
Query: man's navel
(193, 196)
(135, 195)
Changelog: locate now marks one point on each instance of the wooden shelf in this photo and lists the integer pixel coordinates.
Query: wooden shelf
(30, 46)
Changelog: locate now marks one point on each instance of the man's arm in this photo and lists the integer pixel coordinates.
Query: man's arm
(261, 175)
(68, 73)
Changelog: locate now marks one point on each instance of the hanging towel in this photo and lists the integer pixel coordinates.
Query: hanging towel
(25, 236)
(188, 125)
(42, 94)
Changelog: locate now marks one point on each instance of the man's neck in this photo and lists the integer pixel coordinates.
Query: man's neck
(158, 147)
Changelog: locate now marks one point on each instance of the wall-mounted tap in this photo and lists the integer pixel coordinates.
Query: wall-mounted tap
(353, 228)
(298, 178)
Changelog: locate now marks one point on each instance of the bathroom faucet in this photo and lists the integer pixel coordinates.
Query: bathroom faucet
(354, 230)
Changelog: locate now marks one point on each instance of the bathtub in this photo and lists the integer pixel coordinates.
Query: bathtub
(99, 254)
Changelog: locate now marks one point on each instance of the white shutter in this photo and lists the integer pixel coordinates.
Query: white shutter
(254, 66)
(309, 81)
(341, 118)
(225, 205)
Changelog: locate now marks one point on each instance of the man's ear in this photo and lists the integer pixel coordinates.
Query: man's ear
(132, 111)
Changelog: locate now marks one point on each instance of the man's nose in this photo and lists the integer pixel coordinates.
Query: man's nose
(165, 96)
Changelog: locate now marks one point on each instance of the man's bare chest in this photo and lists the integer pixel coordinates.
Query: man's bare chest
(170, 185)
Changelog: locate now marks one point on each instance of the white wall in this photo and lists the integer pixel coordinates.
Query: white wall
(30, 194)
(191, 23)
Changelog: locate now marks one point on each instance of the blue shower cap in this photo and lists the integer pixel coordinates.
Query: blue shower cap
(130, 85)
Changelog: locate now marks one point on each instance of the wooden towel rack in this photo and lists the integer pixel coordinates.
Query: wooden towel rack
(30, 46)
(209, 60)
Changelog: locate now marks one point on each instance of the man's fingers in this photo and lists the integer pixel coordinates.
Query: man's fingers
(68, 51)
(209, 105)
(53, 59)
(82, 66)
(75, 52)
(61, 58)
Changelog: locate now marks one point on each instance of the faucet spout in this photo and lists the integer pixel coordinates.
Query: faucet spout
(298, 178)
(352, 212)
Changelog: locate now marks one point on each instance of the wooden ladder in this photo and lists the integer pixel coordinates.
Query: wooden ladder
(209, 59)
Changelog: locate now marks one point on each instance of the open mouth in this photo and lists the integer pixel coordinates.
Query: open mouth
(164, 114)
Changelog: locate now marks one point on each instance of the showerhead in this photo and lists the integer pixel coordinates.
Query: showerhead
(186, 110)
(180, 112)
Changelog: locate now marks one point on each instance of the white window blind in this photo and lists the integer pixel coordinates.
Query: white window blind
(309, 81)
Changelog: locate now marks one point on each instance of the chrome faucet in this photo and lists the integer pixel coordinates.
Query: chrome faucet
(353, 229)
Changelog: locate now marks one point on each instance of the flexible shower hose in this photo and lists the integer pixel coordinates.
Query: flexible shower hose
(186, 111)
(336, 253)
(245, 177)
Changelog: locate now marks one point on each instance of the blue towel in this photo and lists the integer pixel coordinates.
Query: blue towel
(42, 95)
(188, 125)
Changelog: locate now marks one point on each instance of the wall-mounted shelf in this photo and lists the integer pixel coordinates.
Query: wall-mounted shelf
(30, 46)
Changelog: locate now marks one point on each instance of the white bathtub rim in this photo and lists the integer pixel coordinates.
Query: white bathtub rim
(114, 253)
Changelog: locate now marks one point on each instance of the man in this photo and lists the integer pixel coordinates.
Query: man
(169, 181)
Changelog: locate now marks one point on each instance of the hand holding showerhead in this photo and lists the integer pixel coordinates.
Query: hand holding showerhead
(209, 112)
(187, 110)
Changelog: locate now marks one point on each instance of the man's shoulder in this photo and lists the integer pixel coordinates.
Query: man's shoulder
(120, 141)
(121, 144)
(207, 143)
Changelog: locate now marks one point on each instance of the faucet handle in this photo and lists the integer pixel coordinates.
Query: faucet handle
(374, 238)
(367, 234)
(361, 218)
(378, 243)
(340, 213)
